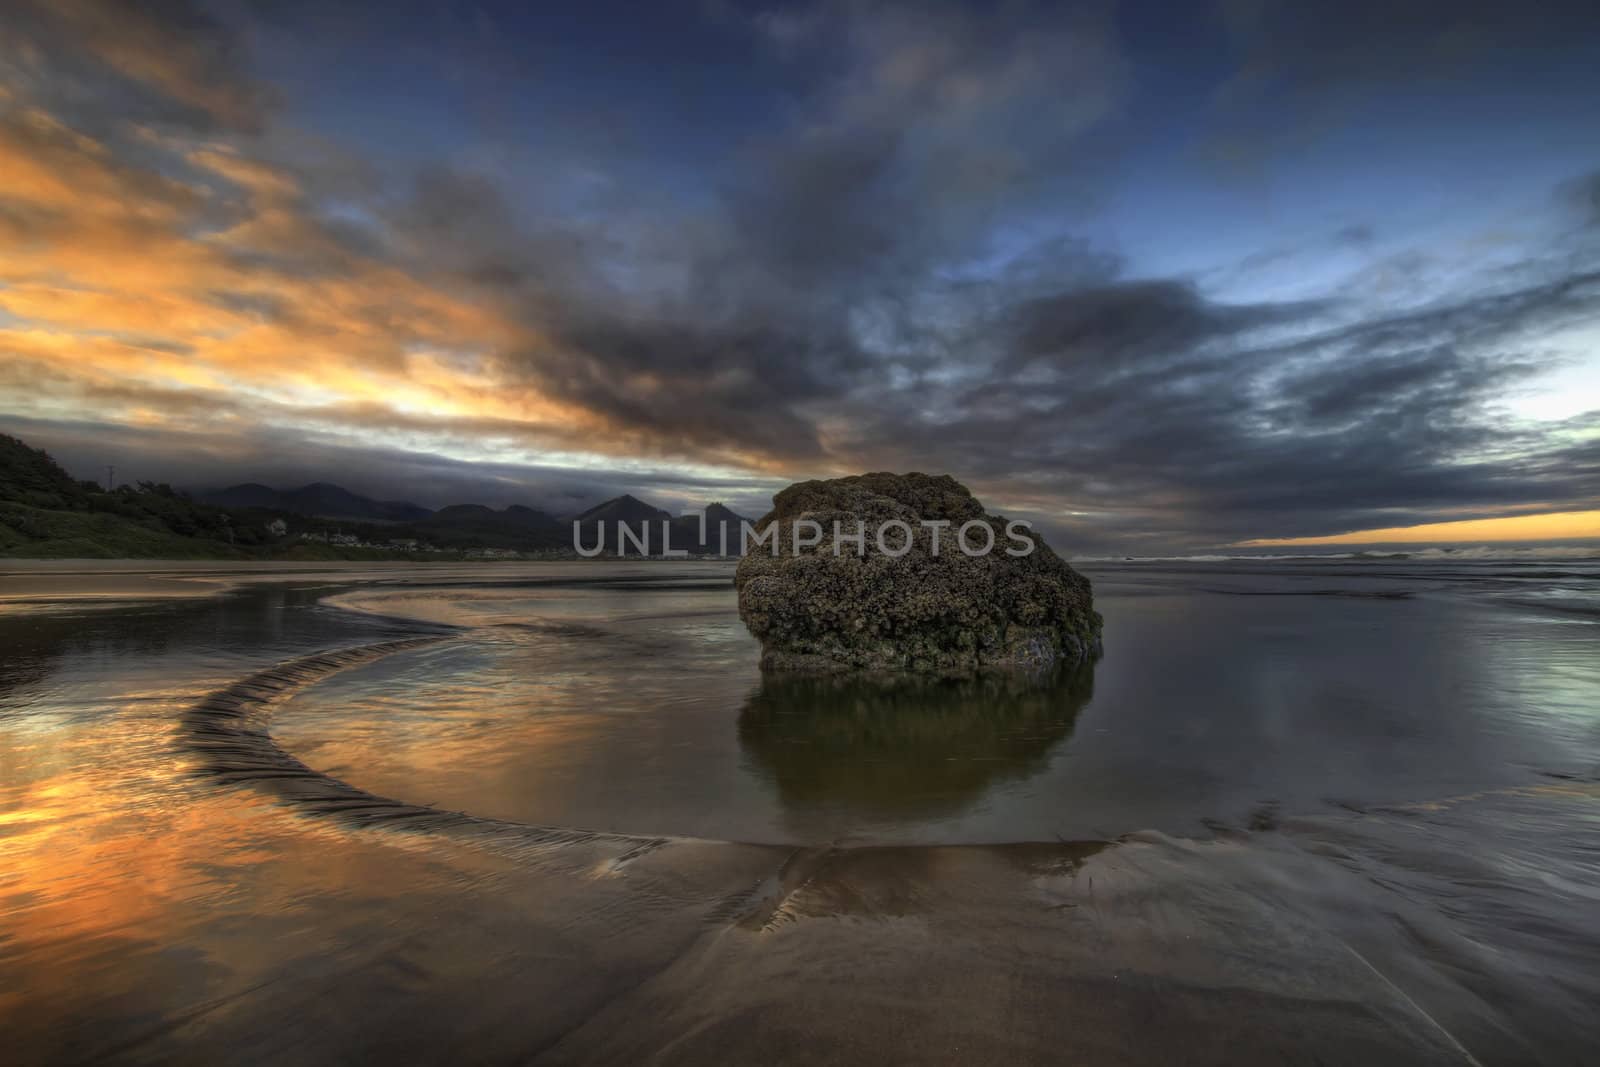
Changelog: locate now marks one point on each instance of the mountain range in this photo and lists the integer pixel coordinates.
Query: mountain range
(44, 511)
(513, 527)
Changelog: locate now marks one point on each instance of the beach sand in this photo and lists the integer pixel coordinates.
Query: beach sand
(180, 886)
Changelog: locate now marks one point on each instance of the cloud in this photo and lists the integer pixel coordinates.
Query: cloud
(1581, 196)
(1550, 526)
(1301, 70)
(1209, 423)
(736, 323)
(1128, 323)
(884, 274)
(166, 62)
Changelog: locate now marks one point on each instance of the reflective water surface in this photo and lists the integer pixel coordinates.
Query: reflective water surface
(1224, 699)
(1347, 808)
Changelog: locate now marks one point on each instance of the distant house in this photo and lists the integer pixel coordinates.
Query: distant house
(277, 528)
(493, 553)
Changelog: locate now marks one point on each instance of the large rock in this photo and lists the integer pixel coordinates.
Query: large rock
(947, 613)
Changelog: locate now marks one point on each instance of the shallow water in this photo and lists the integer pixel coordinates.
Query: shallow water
(1365, 791)
(1225, 698)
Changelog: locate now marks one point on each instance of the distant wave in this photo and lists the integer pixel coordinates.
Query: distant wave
(1360, 594)
(1499, 552)
(1586, 607)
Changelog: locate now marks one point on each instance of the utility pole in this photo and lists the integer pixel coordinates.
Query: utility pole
(111, 477)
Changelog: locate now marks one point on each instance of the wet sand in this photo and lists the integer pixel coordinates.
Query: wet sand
(177, 884)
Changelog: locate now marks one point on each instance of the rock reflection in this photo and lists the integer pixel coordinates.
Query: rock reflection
(906, 746)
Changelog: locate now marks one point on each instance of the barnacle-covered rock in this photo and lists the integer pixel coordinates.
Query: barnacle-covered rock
(834, 606)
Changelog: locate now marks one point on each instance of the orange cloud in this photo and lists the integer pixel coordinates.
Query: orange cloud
(1550, 526)
(130, 290)
(162, 270)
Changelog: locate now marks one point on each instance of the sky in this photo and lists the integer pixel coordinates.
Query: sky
(1158, 277)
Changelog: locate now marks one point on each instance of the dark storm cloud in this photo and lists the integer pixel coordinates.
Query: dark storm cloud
(1128, 323)
(1184, 418)
(165, 62)
(882, 277)
(820, 309)
(1312, 432)
(738, 322)
(698, 355)
(1582, 197)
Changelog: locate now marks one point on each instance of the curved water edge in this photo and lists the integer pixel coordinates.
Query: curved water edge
(229, 731)
(803, 768)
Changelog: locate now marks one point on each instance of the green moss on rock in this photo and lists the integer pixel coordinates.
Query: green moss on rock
(946, 613)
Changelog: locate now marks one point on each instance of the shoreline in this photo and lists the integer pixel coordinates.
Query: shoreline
(86, 581)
